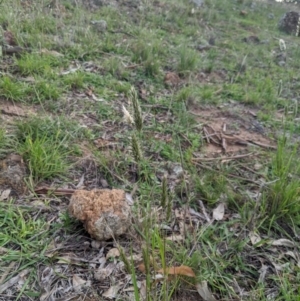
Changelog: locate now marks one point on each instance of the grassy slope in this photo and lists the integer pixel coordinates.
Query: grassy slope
(72, 87)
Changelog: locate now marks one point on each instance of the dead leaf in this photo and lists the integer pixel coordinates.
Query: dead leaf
(171, 79)
(218, 212)
(283, 242)
(4, 195)
(175, 237)
(9, 38)
(89, 92)
(112, 292)
(292, 254)
(181, 270)
(142, 268)
(103, 273)
(204, 292)
(95, 244)
(280, 267)
(254, 238)
(78, 282)
(135, 257)
(129, 199)
(112, 253)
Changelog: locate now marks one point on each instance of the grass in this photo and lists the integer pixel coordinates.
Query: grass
(73, 87)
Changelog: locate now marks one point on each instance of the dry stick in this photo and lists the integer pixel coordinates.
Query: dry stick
(262, 144)
(224, 158)
(204, 211)
(185, 138)
(59, 191)
(212, 135)
(206, 133)
(249, 169)
(224, 145)
(235, 139)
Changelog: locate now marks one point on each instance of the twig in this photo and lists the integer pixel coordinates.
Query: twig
(58, 191)
(224, 127)
(186, 138)
(204, 211)
(206, 134)
(223, 158)
(224, 145)
(262, 144)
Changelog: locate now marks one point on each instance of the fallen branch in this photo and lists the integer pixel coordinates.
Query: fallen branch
(50, 190)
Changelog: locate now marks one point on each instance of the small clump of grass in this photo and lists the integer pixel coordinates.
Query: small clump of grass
(23, 240)
(114, 66)
(45, 90)
(45, 157)
(188, 60)
(281, 197)
(13, 90)
(148, 54)
(37, 127)
(6, 142)
(74, 80)
(46, 144)
(32, 64)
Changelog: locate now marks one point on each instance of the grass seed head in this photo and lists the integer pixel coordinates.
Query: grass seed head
(137, 112)
(136, 148)
(126, 115)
